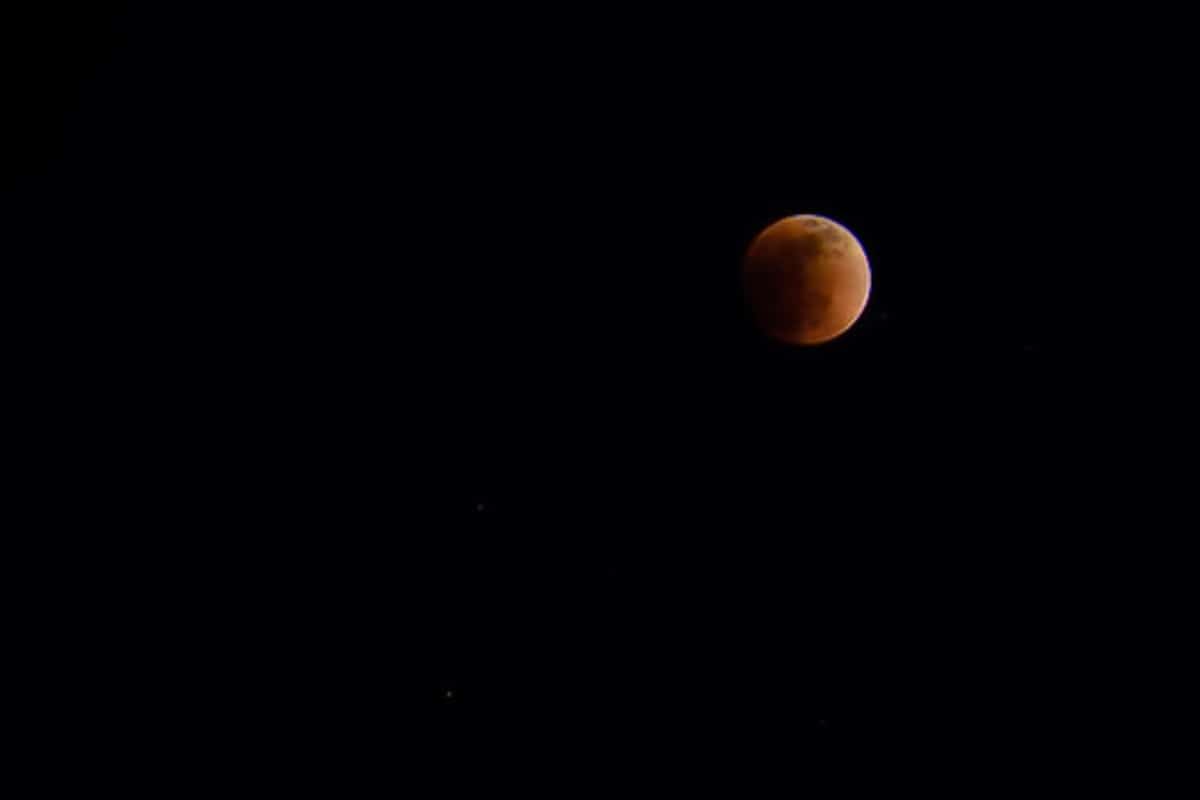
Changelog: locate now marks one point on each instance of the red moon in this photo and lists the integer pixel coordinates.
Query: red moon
(806, 279)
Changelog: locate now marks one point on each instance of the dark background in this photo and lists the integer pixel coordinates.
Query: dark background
(373, 341)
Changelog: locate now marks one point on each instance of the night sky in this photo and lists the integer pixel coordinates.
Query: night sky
(413, 341)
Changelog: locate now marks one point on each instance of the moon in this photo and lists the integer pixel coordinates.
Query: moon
(806, 279)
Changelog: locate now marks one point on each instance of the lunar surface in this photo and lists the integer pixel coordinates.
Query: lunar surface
(806, 279)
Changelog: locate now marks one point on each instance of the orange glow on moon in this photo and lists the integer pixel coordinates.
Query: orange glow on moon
(806, 279)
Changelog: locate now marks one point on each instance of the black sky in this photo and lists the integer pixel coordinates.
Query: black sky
(414, 338)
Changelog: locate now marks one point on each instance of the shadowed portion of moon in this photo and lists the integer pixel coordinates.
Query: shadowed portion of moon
(806, 279)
